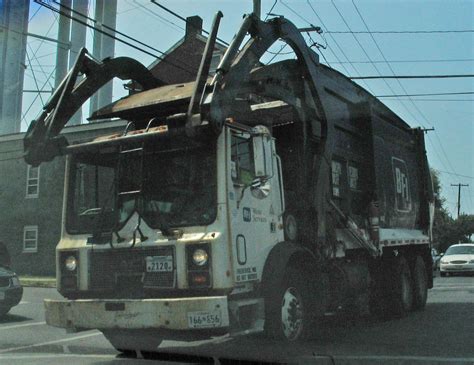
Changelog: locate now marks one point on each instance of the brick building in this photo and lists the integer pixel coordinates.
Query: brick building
(31, 199)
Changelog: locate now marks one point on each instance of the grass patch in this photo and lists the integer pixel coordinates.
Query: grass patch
(38, 281)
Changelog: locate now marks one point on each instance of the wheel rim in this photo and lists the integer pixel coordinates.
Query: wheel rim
(292, 314)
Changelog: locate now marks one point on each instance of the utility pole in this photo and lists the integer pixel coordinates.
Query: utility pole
(459, 195)
(257, 8)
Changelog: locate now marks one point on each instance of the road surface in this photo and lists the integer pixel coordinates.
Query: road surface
(443, 333)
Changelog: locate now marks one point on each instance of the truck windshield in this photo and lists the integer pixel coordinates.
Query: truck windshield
(174, 188)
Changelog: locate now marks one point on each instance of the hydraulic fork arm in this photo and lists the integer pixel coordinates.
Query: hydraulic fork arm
(41, 142)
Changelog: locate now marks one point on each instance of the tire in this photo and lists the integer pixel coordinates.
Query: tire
(420, 283)
(442, 273)
(378, 303)
(292, 310)
(400, 287)
(4, 311)
(129, 342)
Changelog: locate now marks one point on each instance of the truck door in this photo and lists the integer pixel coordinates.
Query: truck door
(255, 203)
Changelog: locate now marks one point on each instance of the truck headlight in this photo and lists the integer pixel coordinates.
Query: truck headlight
(70, 263)
(200, 257)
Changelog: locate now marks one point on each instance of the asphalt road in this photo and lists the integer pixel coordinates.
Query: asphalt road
(443, 333)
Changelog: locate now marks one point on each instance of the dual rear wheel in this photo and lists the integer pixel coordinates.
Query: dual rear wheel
(401, 287)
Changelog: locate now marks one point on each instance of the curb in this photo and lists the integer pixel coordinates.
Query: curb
(38, 282)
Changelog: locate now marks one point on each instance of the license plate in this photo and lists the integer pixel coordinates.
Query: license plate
(159, 263)
(2, 295)
(204, 319)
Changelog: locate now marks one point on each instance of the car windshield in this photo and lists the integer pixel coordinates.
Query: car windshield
(172, 188)
(460, 250)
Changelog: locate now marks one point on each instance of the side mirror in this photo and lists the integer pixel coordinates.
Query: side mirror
(441, 254)
(263, 153)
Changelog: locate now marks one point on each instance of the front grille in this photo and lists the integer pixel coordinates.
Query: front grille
(4, 282)
(127, 267)
(458, 262)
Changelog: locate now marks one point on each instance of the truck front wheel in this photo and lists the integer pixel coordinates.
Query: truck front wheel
(420, 283)
(288, 311)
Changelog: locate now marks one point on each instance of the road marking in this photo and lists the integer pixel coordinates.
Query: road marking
(22, 325)
(22, 302)
(409, 359)
(50, 342)
(55, 356)
(452, 287)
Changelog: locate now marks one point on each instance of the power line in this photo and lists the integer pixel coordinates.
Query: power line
(368, 57)
(415, 61)
(470, 100)
(270, 11)
(402, 31)
(158, 16)
(398, 81)
(113, 36)
(411, 77)
(427, 94)
(184, 19)
(459, 175)
(332, 37)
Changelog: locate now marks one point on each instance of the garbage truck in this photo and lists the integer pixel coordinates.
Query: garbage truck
(263, 198)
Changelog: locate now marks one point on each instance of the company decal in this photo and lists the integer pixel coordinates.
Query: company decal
(247, 214)
(246, 274)
(258, 216)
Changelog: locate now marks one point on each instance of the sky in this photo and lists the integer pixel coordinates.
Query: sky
(450, 147)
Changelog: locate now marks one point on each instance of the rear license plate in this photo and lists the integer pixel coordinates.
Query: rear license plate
(2, 295)
(204, 319)
(159, 263)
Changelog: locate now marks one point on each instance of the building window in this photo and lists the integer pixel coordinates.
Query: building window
(353, 173)
(336, 168)
(30, 239)
(32, 182)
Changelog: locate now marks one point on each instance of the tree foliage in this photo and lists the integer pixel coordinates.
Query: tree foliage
(447, 230)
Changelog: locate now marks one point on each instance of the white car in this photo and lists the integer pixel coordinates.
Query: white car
(458, 259)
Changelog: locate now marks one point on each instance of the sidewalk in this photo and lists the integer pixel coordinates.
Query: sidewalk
(38, 281)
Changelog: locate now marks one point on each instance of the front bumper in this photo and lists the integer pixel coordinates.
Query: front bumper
(167, 314)
(459, 268)
(10, 296)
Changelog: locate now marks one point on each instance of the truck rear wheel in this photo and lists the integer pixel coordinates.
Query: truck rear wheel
(130, 342)
(401, 287)
(420, 283)
(289, 314)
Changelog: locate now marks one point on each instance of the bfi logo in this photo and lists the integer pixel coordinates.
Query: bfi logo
(402, 190)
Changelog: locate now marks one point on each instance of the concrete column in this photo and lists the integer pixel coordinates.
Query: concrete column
(13, 29)
(62, 53)
(104, 46)
(78, 40)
